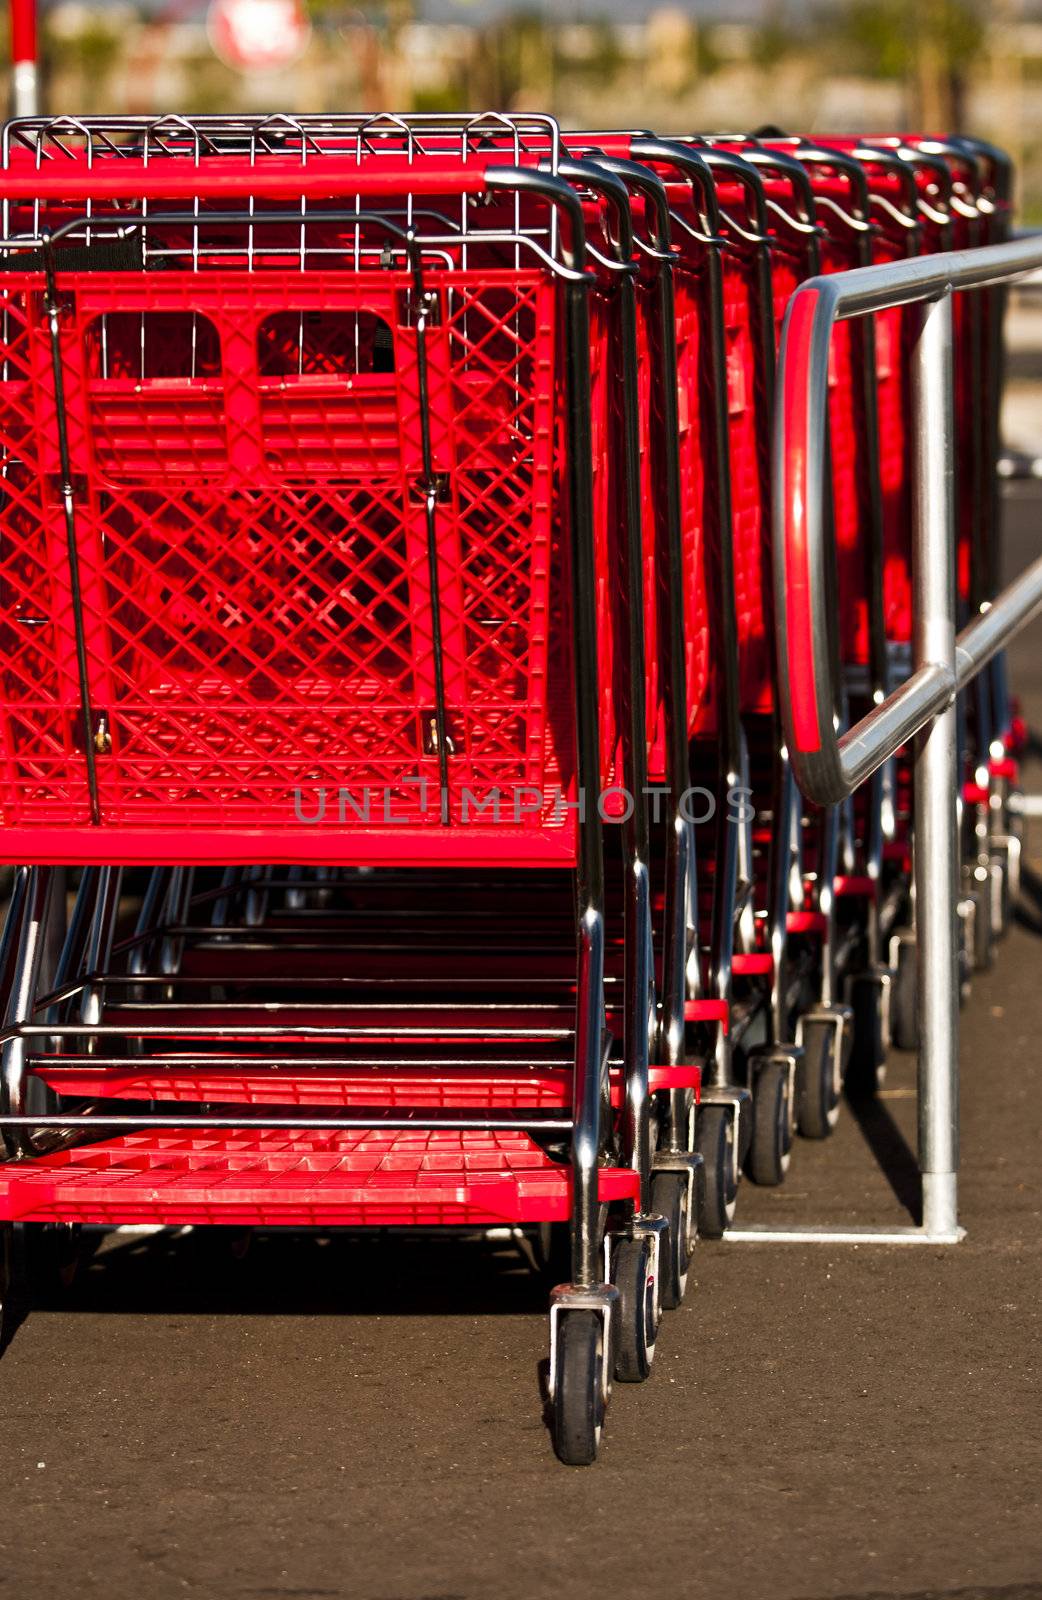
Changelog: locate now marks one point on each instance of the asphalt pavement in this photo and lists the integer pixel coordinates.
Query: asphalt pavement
(365, 1421)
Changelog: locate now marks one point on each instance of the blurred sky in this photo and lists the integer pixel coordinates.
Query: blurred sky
(482, 10)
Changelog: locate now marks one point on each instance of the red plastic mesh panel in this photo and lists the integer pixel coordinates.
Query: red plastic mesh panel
(839, 250)
(42, 745)
(609, 520)
(610, 556)
(474, 1088)
(970, 316)
(850, 467)
(699, 510)
(893, 334)
(653, 526)
(973, 315)
(749, 434)
(252, 542)
(969, 310)
(894, 329)
(300, 1179)
(699, 505)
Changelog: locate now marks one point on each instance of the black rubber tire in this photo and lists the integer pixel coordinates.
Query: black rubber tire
(634, 1311)
(771, 1146)
(866, 1069)
(669, 1198)
(715, 1141)
(578, 1403)
(817, 1102)
(904, 1001)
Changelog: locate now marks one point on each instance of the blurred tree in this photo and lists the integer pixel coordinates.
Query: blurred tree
(670, 44)
(451, 98)
(774, 40)
(930, 47)
(513, 56)
(705, 57)
(86, 55)
(603, 59)
(874, 37)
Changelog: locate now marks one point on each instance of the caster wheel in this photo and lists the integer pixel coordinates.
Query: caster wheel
(818, 1080)
(669, 1197)
(771, 1148)
(904, 1005)
(578, 1402)
(634, 1311)
(866, 1069)
(714, 1140)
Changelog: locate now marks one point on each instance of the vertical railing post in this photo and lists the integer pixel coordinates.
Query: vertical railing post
(25, 70)
(936, 849)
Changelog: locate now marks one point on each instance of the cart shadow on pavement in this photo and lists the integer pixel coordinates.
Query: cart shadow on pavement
(1012, 1591)
(1028, 913)
(890, 1150)
(215, 1272)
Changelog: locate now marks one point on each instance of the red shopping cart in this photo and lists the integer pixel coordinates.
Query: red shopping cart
(386, 551)
(301, 500)
(777, 942)
(926, 202)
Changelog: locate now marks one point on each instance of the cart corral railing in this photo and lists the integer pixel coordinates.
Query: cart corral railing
(830, 764)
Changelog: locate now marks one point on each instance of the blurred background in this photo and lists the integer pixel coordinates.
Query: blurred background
(703, 65)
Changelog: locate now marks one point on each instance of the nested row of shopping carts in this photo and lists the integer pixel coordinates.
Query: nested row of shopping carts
(391, 755)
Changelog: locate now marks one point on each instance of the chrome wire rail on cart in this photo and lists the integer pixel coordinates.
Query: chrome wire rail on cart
(829, 767)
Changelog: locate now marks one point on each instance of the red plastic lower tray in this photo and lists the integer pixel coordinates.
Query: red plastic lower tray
(253, 1177)
(190, 1081)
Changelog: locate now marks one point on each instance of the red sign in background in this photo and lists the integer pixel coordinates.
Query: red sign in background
(255, 35)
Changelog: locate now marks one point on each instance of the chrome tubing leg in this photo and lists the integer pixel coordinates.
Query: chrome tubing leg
(587, 1130)
(640, 1008)
(679, 946)
(779, 901)
(98, 956)
(220, 914)
(21, 1001)
(69, 966)
(152, 903)
(171, 950)
(936, 777)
